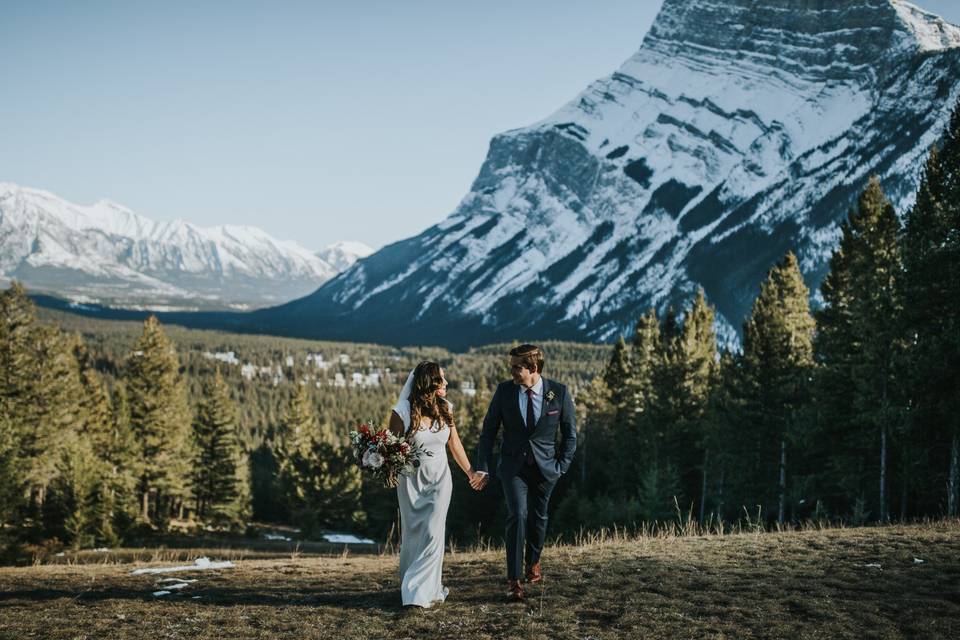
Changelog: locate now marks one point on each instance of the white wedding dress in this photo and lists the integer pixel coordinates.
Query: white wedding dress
(424, 497)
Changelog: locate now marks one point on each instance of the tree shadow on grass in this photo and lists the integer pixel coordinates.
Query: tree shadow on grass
(467, 592)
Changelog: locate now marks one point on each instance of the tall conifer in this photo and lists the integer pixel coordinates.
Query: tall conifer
(11, 484)
(160, 419)
(778, 362)
(698, 340)
(618, 376)
(645, 351)
(321, 482)
(931, 252)
(219, 475)
(859, 351)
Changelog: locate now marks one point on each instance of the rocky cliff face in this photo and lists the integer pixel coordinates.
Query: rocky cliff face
(740, 129)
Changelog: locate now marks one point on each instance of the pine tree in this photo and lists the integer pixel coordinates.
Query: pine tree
(294, 437)
(633, 444)
(58, 384)
(664, 412)
(76, 510)
(841, 443)
(698, 341)
(46, 410)
(16, 367)
(608, 454)
(326, 489)
(724, 434)
(646, 347)
(218, 476)
(124, 455)
(21, 400)
(99, 431)
(619, 378)
(299, 424)
(11, 484)
(320, 480)
(664, 425)
(160, 419)
(670, 327)
(866, 288)
(778, 364)
(931, 254)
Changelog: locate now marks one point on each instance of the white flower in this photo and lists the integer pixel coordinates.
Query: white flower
(372, 459)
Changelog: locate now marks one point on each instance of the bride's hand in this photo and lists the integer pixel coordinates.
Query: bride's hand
(477, 480)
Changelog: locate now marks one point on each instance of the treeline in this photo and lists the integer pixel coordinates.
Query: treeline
(115, 431)
(850, 413)
(85, 464)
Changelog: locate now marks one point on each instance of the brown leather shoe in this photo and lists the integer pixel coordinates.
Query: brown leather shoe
(533, 574)
(515, 591)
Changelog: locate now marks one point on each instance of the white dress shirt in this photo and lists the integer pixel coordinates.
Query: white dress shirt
(537, 401)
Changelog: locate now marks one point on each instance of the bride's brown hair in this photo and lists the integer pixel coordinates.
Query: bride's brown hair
(424, 400)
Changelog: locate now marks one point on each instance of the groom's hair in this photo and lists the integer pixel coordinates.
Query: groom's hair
(530, 355)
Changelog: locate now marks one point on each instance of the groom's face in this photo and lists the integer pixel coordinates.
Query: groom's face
(521, 374)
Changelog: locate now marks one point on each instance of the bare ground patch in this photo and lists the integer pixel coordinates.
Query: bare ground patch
(890, 582)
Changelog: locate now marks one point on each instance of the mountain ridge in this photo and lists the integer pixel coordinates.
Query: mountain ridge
(689, 166)
(105, 252)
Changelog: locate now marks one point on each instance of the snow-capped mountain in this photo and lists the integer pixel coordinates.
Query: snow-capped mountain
(342, 255)
(740, 129)
(108, 254)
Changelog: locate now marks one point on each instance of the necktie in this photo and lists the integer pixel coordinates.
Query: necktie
(531, 423)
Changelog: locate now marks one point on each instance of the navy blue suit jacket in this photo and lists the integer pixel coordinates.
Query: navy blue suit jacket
(556, 414)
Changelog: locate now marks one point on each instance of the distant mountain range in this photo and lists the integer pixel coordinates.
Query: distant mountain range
(342, 255)
(106, 254)
(740, 129)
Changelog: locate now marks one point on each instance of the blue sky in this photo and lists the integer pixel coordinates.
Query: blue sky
(317, 121)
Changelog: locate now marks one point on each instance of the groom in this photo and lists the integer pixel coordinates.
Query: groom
(531, 409)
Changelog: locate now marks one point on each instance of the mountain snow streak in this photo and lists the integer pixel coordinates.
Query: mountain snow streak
(740, 130)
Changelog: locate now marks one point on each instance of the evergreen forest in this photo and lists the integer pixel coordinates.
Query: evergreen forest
(849, 412)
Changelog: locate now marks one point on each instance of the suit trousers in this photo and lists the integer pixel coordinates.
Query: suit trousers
(528, 495)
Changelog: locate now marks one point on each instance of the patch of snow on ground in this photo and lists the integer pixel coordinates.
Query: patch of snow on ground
(182, 580)
(346, 538)
(200, 564)
(275, 536)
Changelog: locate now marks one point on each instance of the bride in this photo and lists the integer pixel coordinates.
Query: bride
(424, 416)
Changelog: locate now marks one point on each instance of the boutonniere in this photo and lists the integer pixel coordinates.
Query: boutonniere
(550, 395)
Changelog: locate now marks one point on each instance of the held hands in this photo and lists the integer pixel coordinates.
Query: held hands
(477, 480)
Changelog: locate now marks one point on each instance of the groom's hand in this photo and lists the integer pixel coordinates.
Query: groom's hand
(478, 480)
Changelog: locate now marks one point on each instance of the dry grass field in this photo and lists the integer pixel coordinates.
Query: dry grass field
(889, 582)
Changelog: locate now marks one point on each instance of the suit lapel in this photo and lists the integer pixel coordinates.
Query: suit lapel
(543, 404)
(513, 409)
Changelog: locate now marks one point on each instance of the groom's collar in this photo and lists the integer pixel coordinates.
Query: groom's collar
(537, 388)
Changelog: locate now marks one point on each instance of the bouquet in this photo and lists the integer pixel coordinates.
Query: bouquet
(384, 454)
